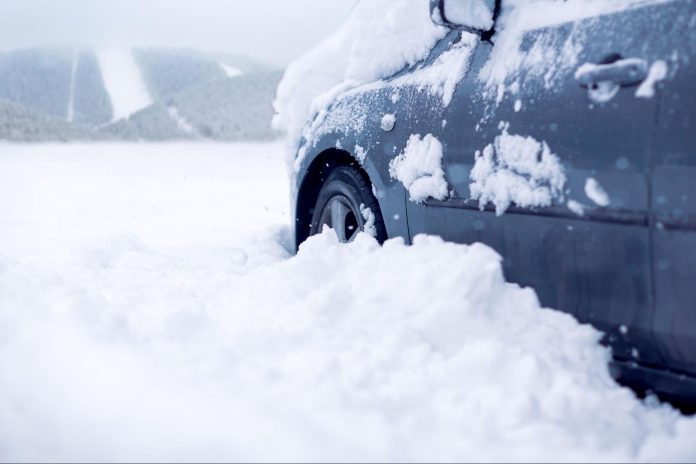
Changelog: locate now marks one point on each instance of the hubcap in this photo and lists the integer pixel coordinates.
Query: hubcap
(340, 216)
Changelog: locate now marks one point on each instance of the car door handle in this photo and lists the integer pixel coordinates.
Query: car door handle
(623, 72)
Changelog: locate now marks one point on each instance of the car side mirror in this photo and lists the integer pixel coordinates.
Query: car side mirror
(477, 16)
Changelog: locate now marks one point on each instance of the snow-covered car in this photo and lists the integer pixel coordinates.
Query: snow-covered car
(560, 133)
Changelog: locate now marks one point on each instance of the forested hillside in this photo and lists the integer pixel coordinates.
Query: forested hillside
(134, 94)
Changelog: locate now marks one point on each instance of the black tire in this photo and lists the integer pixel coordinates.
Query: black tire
(340, 200)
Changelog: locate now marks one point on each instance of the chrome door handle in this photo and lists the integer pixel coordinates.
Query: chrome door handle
(623, 72)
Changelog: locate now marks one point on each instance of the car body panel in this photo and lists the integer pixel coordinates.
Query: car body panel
(595, 266)
(379, 148)
(674, 196)
(626, 266)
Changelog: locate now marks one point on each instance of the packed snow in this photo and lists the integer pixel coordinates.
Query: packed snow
(419, 169)
(388, 122)
(518, 170)
(657, 73)
(576, 207)
(123, 81)
(369, 228)
(596, 192)
(150, 310)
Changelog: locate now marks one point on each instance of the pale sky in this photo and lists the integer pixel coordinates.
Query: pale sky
(274, 31)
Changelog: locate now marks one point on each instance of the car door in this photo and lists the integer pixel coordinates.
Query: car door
(674, 188)
(579, 238)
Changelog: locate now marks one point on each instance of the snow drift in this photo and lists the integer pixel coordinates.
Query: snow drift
(148, 314)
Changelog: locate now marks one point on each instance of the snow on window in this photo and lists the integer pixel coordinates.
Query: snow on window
(596, 192)
(516, 170)
(658, 72)
(419, 169)
(369, 218)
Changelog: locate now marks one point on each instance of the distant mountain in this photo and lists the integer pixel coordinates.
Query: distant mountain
(134, 94)
(223, 108)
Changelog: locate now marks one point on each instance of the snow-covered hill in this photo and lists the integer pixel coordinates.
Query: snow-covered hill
(151, 311)
(136, 94)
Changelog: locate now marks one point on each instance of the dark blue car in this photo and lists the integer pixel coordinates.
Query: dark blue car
(570, 148)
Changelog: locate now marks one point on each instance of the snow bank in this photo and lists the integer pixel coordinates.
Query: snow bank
(146, 314)
(419, 168)
(516, 170)
(380, 38)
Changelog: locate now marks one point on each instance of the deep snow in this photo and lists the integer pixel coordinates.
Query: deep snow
(150, 310)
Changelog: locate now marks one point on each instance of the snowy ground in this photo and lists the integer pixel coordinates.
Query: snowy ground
(150, 310)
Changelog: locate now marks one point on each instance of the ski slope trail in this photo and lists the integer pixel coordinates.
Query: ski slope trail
(123, 82)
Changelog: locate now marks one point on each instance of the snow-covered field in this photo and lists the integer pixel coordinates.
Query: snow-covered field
(150, 310)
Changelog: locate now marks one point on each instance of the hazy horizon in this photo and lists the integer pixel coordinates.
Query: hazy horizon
(271, 31)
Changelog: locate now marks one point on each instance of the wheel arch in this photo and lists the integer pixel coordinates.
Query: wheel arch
(313, 180)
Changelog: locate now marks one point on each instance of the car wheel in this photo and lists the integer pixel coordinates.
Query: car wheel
(346, 204)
